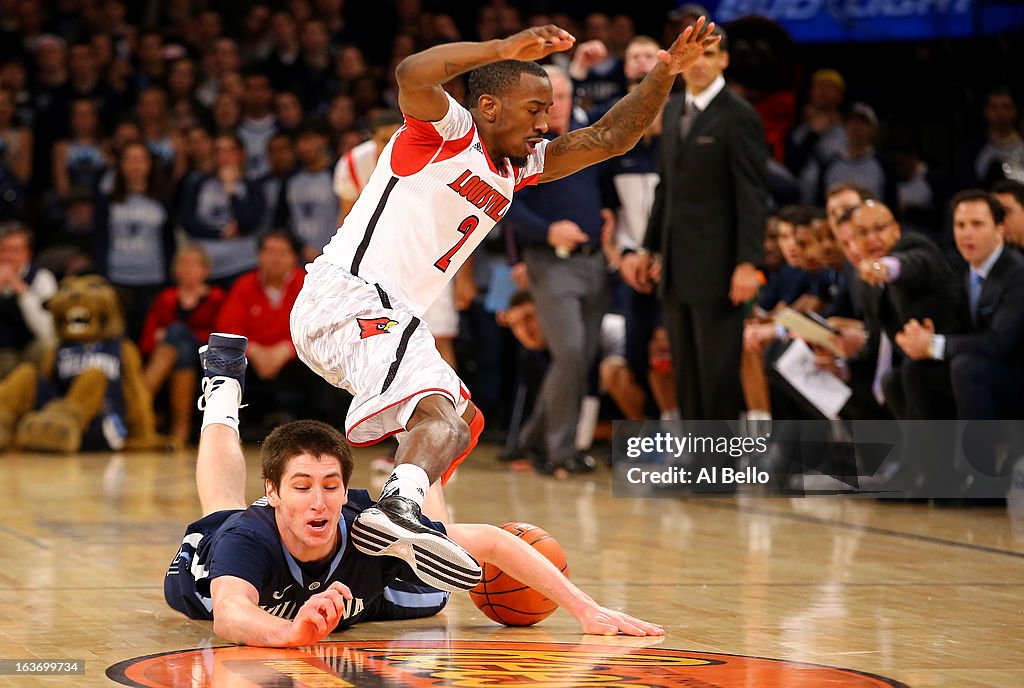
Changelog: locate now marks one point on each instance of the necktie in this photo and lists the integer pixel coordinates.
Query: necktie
(882, 367)
(686, 121)
(974, 294)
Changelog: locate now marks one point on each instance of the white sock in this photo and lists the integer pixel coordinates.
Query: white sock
(670, 414)
(407, 480)
(759, 414)
(222, 402)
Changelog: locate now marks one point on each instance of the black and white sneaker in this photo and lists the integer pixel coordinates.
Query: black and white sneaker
(393, 528)
(222, 357)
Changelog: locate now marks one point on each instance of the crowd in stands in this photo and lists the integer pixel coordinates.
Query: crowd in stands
(197, 159)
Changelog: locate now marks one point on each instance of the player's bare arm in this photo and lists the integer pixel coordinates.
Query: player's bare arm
(420, 76)
(622, 126)
(237, 616)
(519, 560)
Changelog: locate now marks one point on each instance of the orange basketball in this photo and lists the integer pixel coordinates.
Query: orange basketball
(504, 599)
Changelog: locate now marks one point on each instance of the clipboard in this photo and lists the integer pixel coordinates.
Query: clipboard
(816, 331)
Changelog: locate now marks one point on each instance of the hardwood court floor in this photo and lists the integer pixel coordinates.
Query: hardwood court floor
(926, 596)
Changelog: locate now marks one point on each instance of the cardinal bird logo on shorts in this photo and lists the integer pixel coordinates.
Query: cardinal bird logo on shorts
(370, 327)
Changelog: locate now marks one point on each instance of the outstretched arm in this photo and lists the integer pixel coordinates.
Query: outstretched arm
(524, 563)
(622, 126)
(420, 76)
(237, 616)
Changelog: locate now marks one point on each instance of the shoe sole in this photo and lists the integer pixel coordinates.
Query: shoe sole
(436, 560)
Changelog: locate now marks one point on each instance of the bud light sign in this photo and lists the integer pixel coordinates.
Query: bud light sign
(811, 21)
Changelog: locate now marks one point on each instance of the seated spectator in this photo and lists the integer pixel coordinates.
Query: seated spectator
(986, 361)
(71, 239)
(981, 162)
(80, 161)
(310, 208)
(133, 237)
(258, 306)
(222, 211)
(795, 234)
(281, 155)
(226, 114)
(183, 105)
(840, 202)
(26, 327)
(179, 322)
(199, 150)
(802, 284)
(354, 167)
(922, 192)
(1010, 195)
(845, 313)
(289, 111)
(598, 77)
(820, 136)
(258, 123)
(15, 156)
(163, 140)
(858, 162)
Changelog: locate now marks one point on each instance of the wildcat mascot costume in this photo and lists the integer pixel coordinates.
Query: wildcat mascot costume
(88, 391)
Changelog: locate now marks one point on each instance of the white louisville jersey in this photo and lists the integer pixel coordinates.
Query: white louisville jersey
(431, 200)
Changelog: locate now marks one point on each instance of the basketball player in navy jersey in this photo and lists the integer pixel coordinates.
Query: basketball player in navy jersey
(284, 572)
(441, 183)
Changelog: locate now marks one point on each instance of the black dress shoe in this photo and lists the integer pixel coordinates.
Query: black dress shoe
(580, 464)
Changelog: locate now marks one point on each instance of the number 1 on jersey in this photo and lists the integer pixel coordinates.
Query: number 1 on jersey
(466, 228)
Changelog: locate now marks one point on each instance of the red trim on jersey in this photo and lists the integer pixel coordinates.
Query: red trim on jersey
(416, 145)
(462, 392)
(527, 181)
(350, 160)
(452, 148)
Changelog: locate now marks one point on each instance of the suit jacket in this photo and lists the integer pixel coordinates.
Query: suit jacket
(927, 287)
(998, 332)
(712, 199)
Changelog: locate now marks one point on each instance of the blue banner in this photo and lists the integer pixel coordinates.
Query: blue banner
(818, 21)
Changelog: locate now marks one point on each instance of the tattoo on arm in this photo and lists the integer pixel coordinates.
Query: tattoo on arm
(455, 68)
(622, 126)
(587, 139)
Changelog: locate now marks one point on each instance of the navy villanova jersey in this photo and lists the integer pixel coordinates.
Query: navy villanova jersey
(107, 429)
(246, 544)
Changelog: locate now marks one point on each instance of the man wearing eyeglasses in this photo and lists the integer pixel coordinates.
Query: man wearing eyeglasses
(908, 279)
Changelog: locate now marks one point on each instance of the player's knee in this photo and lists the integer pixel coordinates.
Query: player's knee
(448, 434)
(459, 434)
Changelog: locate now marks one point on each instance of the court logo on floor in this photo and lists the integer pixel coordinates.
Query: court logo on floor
(472, 664)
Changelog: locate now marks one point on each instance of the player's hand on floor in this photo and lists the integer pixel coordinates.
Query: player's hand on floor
(603, 621)
(319, 615)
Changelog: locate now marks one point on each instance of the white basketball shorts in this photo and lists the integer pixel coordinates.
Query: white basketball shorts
(357, 337)
(441, 317)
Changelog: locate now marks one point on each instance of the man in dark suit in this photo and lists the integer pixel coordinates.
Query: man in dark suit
(907, 278)
(987, 361)
(706, 229)
(1010, 195)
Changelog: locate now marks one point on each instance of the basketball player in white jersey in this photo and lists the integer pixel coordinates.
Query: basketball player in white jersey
(440, 185)
(355, 167)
